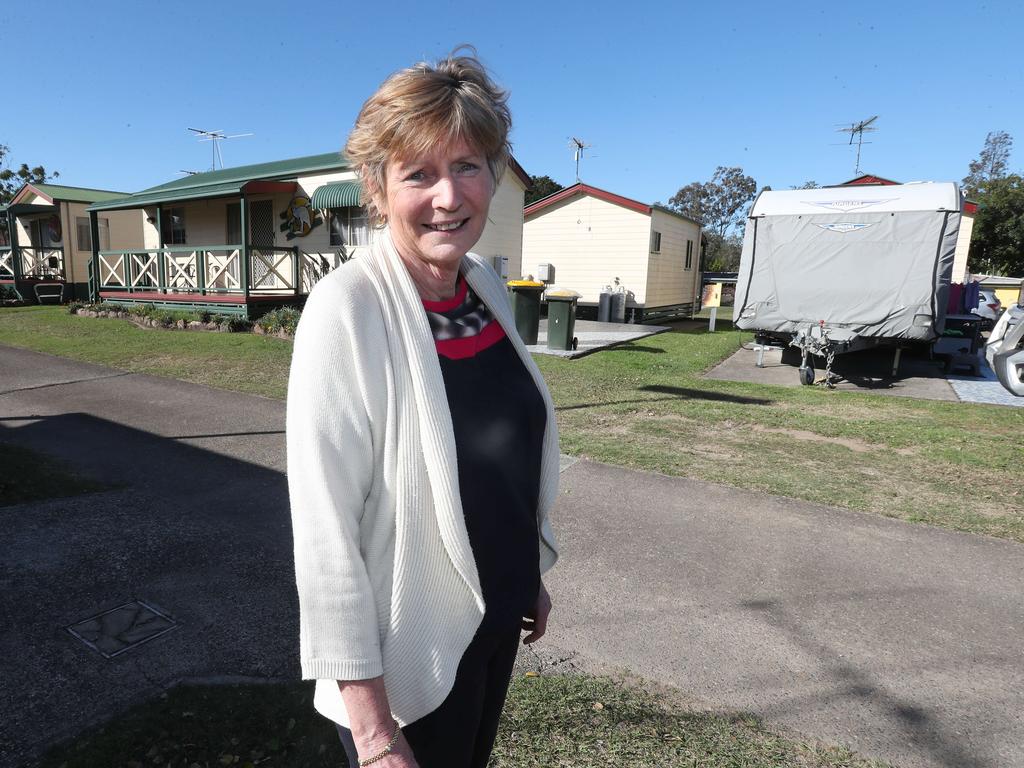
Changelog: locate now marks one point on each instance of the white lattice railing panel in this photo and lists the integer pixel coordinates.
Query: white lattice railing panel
(277, 265)
(42, 262)
(6, 263)
(144, 269)
(181, 271)
(112, 274)
(222, 270)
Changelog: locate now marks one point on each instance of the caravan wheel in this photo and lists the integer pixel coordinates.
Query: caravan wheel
(807, 374)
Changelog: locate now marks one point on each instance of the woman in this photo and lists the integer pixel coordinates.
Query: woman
(422, 446)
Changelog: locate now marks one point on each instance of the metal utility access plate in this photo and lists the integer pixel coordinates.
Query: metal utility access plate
(120, 629)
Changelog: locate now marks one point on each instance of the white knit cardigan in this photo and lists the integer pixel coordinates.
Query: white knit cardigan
(385, 573)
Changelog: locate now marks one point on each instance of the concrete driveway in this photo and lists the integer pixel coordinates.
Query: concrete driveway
(900, 640)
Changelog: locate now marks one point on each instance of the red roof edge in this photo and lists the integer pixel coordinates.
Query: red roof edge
(586, 189)
(34, 191)
(263, 187)
(867, 178)
(518, 170)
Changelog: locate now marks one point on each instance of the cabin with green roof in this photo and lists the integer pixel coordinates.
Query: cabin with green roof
(245, 240)
(46, 240)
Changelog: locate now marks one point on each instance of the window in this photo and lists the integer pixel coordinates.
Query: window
(655, 242)
(234, 224)
(174, 226)
(85, 233)
(689, 255)
(349, 226)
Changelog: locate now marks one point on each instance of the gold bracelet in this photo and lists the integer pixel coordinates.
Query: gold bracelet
(384, 752)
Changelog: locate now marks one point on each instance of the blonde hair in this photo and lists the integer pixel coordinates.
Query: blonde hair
(422, 107)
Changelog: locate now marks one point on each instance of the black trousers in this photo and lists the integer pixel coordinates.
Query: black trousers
(460, 733)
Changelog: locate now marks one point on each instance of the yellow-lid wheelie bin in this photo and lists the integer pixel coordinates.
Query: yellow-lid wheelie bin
(526, 307)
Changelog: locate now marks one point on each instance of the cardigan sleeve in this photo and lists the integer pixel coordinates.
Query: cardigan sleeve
(331, 391)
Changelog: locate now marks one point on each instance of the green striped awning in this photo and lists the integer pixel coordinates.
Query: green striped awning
(338, 194)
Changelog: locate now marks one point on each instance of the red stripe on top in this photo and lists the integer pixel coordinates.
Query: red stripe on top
(449, 304)
(460, 349)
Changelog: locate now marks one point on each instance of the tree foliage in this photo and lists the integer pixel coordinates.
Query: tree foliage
(720, 206)
(13, 180)
(541, 187)
(723, 253)
(997, 240)
(991, 164)
(808, 185)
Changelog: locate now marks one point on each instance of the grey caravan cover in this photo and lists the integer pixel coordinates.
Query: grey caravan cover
(869, 261)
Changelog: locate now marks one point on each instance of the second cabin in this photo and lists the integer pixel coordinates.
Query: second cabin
(596, 240)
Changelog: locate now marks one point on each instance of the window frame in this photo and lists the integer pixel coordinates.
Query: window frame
(173, 231)
(688, 264)
(345, 217)
(655, 241)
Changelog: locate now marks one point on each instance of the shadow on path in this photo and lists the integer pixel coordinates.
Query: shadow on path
(203, 537)
(920, 728)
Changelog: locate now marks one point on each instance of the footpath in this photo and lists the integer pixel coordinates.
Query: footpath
(899, 640)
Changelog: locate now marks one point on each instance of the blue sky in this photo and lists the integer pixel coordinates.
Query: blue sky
(665, 92)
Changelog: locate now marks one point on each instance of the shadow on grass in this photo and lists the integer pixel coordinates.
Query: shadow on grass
(677, 393)
(703, 394)
(633, 348)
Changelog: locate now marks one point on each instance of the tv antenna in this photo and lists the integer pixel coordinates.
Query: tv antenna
(216, 137)
(578, 145)
(858, 130)
(189, 173)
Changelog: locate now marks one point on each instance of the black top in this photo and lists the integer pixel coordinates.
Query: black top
(498, 417)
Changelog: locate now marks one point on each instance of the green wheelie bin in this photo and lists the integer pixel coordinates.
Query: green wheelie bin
(526, 307)
(561, 318)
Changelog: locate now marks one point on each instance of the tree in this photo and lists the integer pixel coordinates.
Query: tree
(12, 181)
(541, 187)
(808, 185)
(719, 205)
(991, 163)
(997, 240)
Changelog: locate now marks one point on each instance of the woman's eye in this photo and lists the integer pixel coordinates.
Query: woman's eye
(415, 176)
(467, 167)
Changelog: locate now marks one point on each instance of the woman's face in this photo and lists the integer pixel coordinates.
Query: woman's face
(437, 204)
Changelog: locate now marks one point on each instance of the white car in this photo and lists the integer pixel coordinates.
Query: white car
(989, 307)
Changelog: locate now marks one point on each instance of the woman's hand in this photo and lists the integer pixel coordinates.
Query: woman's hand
(536, 622)
(400, 756)
(372, 724)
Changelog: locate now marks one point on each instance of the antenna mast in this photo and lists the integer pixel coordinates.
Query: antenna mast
(858, 130)
(215, 137)
(578, 145)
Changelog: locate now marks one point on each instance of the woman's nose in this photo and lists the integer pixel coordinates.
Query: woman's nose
(446, 194)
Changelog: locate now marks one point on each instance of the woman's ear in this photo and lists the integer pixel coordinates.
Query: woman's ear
(376, 194)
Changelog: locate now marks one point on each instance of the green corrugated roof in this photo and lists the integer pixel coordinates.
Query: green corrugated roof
(338, 194)
(77, 194)
(226, 181)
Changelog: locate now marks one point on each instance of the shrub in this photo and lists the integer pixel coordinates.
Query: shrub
(283, 319)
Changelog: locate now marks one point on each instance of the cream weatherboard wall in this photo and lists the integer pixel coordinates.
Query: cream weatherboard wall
(669, 281)
(124, 229)
(590, 242)
(503, 235)
(963, 244)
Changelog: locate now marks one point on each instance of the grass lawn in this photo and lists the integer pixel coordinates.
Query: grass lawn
(241, 362)
(29, 476)
(548, 721)
(645, 405)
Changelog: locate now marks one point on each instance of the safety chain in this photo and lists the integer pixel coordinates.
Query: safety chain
(830, 355)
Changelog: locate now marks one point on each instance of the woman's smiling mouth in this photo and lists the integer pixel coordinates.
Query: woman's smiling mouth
(450, 226)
